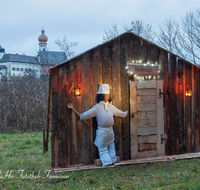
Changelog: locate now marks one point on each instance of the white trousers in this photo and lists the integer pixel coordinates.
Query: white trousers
(107, 154)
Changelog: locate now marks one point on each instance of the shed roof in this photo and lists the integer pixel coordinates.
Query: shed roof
(117, 37)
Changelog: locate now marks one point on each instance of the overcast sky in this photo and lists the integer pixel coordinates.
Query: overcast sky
(80, 20)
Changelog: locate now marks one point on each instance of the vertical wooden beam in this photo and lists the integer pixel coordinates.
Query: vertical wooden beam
(160, 119)
(120, 98)
(154, 54)
(135, 48)
(184, 110)
(61, 121)
(79, 109)
(125, 97)
(105, 64)
(68, 114)
(144, 51)
(100, 65)
(91, 101)
(66, 117)
(86, 131)
(188, 101)
(95, 82)
(54, 134)
(193, 111)
(115, 82)
(165, 77)
(48, 112)
(181, 106)
(133, 120)
(173, 107)
(197, 103)
(162, 60)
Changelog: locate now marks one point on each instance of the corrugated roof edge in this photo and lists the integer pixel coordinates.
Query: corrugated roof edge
(129, 31)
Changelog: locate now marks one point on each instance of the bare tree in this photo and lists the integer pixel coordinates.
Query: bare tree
(142, 29)
(137, 26)
(66, 46)
(197, 28)
(168, 36)
(110, 33)
(189, 37)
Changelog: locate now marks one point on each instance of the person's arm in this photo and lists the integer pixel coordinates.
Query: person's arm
(88, 114)
(119, 113)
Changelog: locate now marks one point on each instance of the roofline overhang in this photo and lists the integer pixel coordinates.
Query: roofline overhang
(129, 31)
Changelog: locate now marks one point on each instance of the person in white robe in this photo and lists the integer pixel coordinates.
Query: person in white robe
(104, 113)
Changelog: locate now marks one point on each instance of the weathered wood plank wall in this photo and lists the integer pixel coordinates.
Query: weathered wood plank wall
(72, 140)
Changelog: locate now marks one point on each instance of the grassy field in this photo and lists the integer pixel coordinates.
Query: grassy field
(24, 166)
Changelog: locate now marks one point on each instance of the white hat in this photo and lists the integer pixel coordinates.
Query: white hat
(104, 89)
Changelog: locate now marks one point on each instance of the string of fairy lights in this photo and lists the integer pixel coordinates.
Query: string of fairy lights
(138, 77)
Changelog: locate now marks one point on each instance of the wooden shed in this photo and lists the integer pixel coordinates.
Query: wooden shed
(162, 120)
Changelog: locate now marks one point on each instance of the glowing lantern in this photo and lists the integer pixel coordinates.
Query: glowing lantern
(188, 92)
(77, 91)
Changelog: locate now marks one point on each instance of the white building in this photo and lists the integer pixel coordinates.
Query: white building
(15, 65)
(19, 65)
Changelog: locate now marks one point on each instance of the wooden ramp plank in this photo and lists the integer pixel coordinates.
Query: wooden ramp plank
(130, 162)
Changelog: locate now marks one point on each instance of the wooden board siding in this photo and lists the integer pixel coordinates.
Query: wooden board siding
(173, 112)
(72, 141)
(181, 94)
(54, 134)
(116, 94)
(188, 111)
(79, 109)
(86, 130)
(197, 108)
(124, 96)
(95, 81)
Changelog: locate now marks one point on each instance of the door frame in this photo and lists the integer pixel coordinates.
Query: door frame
(158, 85)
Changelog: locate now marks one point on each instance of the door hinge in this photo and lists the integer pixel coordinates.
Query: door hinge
(160, 93)
(162, 139)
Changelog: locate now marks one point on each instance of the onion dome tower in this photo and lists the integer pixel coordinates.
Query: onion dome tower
(2, 52)
(42, 41)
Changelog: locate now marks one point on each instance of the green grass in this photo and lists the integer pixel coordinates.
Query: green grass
(25, 152)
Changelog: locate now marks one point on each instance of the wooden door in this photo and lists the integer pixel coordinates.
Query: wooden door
(146, 119)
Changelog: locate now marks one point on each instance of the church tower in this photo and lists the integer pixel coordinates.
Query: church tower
(42, 41)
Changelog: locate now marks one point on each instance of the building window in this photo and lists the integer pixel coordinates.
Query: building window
(22, 69)
(13, 68)
(17, 69)
(13, 74)
(26, 69)
(19, 75)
